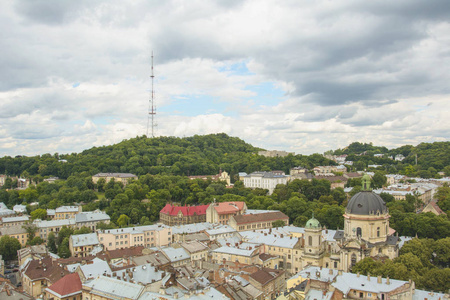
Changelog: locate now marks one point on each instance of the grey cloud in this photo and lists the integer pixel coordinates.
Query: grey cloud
(50, 12)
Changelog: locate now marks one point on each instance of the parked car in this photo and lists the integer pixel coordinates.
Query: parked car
(15, 270)
(8, 271)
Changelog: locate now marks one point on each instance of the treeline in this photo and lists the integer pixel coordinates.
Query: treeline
(141, 200)
(196, 155)
(431, 158)
(425, 261)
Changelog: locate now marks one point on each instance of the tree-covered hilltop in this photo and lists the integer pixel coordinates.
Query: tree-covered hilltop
(196, 155)
(431, 158)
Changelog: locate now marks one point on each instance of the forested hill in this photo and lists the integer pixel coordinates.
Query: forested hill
(196, 155)
(431, 157)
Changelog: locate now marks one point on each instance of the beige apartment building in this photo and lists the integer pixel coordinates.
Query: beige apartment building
(257, 221)
(17, 232)
(125, 178)
(14, 221)
(67, 212)
(147, 236)
(81, 245)
(221, 212)
(249, 256)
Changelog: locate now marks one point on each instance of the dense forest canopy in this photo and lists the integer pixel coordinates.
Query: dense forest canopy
(206, 155)
(197, 155)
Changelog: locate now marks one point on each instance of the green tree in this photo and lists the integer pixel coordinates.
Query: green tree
(39, 213)
(51, 243)
(37, 240)
(83, 230)
(63, 249)
(9, 247)
(123, 220)
(31, 231)
(278, 223)
(64, 232)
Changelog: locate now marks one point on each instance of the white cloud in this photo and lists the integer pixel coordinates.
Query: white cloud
(301, 76)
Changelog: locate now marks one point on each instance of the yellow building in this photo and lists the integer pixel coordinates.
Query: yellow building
(40, 274)
(125, 178)
(66, 212)
(249, 256)
(17, 232)
(81, 245)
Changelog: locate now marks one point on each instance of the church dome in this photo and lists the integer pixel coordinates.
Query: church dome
(366, 203)
(313, 223)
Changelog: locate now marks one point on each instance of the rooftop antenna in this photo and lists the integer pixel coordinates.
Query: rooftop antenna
(151, 107)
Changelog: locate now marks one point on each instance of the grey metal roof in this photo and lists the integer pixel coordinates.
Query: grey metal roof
(13, 230)
(269, 239)
(175, 254)
(16, 219)
(55, 223)
(96, 268)
(392, 240)
(339, 235)
(236, 251)
(66, 209)
(87, 239)
(115, 288)
(366, 203)
(91, 217)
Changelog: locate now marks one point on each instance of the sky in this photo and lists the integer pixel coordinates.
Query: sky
(295, 75)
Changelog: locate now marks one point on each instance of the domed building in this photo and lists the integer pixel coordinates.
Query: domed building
(366, 229)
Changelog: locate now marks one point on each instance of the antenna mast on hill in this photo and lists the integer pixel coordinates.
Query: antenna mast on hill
(151, 107)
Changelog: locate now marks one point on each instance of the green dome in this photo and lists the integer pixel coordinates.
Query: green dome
(313, 223)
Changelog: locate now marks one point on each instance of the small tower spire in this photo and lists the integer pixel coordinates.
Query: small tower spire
(365, 182)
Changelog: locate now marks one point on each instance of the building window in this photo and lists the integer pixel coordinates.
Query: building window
(353, 259)
(378, 231)
(358, 231)
(310, 240)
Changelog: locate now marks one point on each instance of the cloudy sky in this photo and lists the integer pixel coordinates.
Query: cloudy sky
(301, 76)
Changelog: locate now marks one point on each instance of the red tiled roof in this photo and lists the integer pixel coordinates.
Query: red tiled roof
(68, 285)
(223, 208)
(172, 210)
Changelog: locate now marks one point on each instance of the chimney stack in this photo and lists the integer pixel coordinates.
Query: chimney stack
(379, 279)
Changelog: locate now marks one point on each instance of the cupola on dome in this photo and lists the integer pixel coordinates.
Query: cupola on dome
(313, 223)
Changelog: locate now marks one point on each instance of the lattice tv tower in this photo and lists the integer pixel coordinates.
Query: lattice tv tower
(152, 107)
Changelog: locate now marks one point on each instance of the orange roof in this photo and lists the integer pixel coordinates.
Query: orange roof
(223, 208)
(66, 286)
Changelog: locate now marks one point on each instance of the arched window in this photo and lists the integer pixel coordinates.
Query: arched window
(310, 240)
(378, 231)
(358, 231)
(353, 259)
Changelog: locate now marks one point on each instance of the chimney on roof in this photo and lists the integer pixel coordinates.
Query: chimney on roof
(331, 272)
(387, 280)
(368, 276)
(379, 279)
(357, 274)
